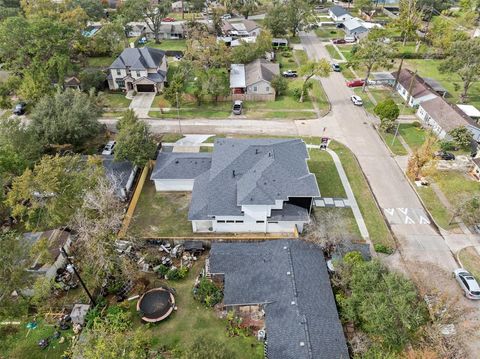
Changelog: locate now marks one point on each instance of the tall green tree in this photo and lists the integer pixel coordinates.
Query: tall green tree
(246, 7)
(297, 11)
(462, 137)
(9, 8)
(372, 52)
(321, 68)
(464, 60)
(276, 21)
(409, 19)
(443, 33)
(93, 8)
(13, 255)
(152, 12)
(109, 41)
(134, 141)
(216, 84)
(48, 195)
(69, 117)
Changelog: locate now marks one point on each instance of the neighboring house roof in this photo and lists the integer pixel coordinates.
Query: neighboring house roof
(139, 59)
(237, 76)
(71, 81)
(476, 161)
(288, 277)
(259, 70)
(246, 39)
(435, 85)
(447, 117)
(414, 83)
(383, 76)
(354, 24)
(470, 110)
(177, 165)
(242, 25)
(118, 172)
(338, 10)
(252, 172)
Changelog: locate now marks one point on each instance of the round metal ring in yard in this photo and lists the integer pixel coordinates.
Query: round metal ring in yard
(156, 305)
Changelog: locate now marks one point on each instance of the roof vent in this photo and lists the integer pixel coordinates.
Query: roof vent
(288, 273)
(302, 344)
(177, 161)
(285, 247)
(292, 302)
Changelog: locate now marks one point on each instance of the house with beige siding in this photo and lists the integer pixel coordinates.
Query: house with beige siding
(253, 81)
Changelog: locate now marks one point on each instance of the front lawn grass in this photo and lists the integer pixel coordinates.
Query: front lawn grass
(413, 135)
(346, 50)
(329, 32)
(115, 100)
(328, 180)
(161, 214)
(470, 261)
(20, 342)
(377, 228)
(168, 45)
(456, 186)
(333, 52)
(395, 146)
(441, 215)
(451, 81)
(381, 94)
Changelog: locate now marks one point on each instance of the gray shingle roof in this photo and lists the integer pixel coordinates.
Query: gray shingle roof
(177, 165)
(338, 10)
(417, 85)
(257, 273)
(118, 172)
(444, 114)
(260, 69)
(139, 59)
(252, 172)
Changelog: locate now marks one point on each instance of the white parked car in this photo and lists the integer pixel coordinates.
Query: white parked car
(357, 100)
(468, 283)
(109, 148)
(226, 16)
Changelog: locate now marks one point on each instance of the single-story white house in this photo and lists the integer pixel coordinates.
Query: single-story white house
(413, 88)
(441, 117)
(339, 14)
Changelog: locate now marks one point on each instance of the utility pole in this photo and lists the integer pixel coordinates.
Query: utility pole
(396, 133)
(178, 114)
(65, 254)
(410, 87)
(398, 73)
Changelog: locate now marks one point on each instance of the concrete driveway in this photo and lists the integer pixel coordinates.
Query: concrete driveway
(141, 103)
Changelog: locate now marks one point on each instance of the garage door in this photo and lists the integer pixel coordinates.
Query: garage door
(145, 88)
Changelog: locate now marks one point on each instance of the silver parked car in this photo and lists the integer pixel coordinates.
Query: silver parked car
(237, 107)
(468, 283)
(109, 148)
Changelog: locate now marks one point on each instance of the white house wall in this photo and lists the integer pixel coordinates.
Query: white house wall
(431, 123)
(261, 87)
(175, 185)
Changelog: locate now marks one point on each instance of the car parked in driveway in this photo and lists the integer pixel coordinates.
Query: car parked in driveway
(447, 156)
(20, 108)
(468, 283)
(355, 83)
(339, 41)
(168, 19)
(357, 100)
(237, 107)
(109, 148)
(290, 73)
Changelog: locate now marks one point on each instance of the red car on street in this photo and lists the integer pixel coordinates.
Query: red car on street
(168, 19)
(355, 83)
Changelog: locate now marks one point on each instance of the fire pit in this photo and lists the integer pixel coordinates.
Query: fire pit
(156, 305)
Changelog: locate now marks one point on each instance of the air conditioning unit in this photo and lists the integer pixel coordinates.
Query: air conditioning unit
(261, 335)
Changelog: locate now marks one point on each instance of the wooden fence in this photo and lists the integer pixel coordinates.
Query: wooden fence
(133, 203)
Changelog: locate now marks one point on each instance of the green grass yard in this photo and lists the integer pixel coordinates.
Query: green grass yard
(395, 145)
(116, 100)
(103, 61)
(413, 135)
(441, 215)
(333, 52)
(322, 165)
(329, 32)
(470, 261)
(172, 45)
(161, 214)
(451, 81)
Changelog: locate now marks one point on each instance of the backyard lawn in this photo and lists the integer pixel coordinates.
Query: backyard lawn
(451, 81)
(161, 214)
(172, 45)
(104, 61)
(18, 342)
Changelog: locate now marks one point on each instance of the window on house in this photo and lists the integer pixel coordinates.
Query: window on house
(267, 89)
(260, 221)
(120, 83)
(230, 221)
(254, 88)
(119, 72)
(238, 221)
(219, 221)
(272, 222)
(138, 74)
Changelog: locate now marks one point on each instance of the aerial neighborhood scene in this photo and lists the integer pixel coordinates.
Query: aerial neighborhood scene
(243, 179)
